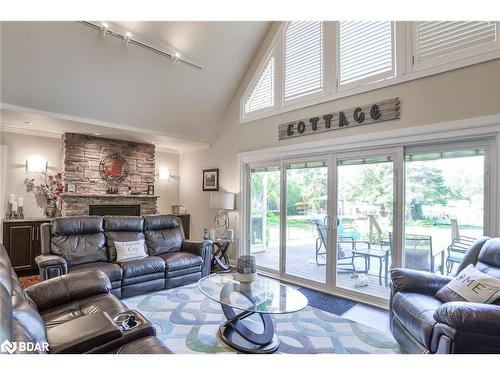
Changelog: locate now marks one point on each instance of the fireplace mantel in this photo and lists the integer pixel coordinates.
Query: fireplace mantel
(78, 204)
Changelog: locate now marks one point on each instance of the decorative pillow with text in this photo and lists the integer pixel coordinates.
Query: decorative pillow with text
(130, 250)
(470, 285)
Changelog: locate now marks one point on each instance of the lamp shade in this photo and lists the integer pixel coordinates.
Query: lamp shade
(220, 200)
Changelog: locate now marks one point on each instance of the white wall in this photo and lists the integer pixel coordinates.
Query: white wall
(18, 147)
(464, 93)
(167, 190)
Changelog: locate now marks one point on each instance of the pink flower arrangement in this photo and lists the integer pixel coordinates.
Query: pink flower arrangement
(48, 187)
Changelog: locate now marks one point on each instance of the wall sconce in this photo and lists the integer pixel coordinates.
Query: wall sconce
(164, 174)
(36, 164)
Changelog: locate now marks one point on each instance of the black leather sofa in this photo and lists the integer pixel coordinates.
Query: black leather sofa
(76, 244)
(421, 323)
(72, 313)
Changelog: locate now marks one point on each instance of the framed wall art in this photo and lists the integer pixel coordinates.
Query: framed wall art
(211, 179)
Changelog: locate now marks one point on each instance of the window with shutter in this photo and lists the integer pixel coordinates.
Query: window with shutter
(262, 94)
(441, 42)
(365, 51)
(303, 59)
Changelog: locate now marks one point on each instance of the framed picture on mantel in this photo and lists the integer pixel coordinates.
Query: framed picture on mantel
(211, 179)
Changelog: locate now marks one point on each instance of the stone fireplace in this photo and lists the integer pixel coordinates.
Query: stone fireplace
(82, 155)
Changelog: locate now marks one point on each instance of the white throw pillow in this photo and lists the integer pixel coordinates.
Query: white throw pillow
(471, 285)
(130, 250)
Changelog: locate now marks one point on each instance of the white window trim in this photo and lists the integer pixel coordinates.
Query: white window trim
(368, 80)
(405, 71)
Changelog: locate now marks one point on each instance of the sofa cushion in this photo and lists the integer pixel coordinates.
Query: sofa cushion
(90, 305)
(143, 266)
(79, 239)
(181, 259)
(122, 229)
(113, 271)
(163, 234)
(416, 312)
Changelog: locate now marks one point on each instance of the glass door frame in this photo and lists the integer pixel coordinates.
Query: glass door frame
(327, 158)
(397, 154)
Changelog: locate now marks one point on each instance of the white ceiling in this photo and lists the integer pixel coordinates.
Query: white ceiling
(69, 71)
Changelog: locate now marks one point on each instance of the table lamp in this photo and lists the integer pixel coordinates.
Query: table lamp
(223, 202)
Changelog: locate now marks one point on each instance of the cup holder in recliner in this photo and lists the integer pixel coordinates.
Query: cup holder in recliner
(126, 322)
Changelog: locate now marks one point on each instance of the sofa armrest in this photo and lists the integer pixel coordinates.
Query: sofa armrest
(406, 280)
(68, 288)
(470, 317)
(51, 266)
(83, 334)
(203, 249)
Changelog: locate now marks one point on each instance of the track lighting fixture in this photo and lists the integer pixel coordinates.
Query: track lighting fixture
(127, 38)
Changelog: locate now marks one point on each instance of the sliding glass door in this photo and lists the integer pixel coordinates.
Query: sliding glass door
(265, 214)
(444, 204)
(365, 222)
(306, 237)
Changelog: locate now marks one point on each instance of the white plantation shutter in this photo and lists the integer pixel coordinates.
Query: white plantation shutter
(303, 59)
(262, 95)
(365, 50)
(437, 39)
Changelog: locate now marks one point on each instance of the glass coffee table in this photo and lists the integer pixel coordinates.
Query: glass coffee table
(262, 297)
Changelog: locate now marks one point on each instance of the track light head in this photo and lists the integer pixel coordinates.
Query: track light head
(127, 37)
(104, 28)
(175, 57)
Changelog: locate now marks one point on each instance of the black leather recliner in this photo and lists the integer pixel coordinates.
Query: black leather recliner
(421, 323)
(71, 313)
(75, 244)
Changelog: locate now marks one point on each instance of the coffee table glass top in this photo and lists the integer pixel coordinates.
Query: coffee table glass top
(264, 295)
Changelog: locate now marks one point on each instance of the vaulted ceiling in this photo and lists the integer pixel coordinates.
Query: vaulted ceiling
(69, 69)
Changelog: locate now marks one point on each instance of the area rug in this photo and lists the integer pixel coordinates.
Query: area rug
(187, 322)
(27, 281)
(327, 302)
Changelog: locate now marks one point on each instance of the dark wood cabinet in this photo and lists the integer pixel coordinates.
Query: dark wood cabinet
(185, 220)
(21, 239)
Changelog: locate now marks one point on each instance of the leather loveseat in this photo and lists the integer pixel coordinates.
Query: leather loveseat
(421, 323)
(71, 313)
(76, 244)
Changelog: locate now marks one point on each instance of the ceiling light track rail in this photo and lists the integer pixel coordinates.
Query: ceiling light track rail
(106, 31)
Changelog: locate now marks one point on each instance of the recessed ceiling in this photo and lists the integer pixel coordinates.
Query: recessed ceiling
(71, 70)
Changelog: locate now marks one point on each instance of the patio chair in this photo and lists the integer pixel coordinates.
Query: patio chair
(344, 254)
(458, 247)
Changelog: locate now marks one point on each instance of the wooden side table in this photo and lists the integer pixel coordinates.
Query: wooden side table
(220, 259)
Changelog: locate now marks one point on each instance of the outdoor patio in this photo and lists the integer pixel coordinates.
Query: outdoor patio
(301, 262)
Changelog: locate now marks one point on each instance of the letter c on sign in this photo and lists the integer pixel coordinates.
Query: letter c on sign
(301, 127)
(289, 130)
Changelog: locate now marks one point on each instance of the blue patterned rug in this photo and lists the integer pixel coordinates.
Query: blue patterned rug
(187, 322)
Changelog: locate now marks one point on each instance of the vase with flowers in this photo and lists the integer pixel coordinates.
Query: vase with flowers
(47, 190)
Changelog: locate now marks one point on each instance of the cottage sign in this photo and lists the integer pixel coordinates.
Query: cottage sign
(366, 114)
